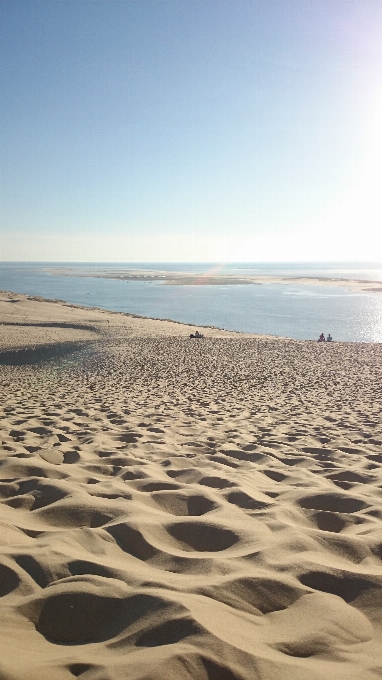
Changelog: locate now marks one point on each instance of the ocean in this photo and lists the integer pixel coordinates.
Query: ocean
(294, 310)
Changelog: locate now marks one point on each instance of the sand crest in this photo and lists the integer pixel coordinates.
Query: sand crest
(185, 509)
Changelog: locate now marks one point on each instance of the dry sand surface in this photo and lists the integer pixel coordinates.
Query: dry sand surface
(176, 509)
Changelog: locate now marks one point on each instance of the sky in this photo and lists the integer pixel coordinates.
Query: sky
(191, 130)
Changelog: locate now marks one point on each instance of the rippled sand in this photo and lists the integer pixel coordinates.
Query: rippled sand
(177, 509)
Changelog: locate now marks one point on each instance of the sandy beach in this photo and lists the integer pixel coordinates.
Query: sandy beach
(177, 509)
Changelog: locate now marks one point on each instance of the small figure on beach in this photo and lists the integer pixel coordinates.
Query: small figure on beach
(321, 338)
(329, 338)
(196, 335)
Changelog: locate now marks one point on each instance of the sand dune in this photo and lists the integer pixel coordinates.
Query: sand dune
(181, 509)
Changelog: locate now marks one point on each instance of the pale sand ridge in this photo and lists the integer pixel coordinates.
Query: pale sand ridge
(186, 509)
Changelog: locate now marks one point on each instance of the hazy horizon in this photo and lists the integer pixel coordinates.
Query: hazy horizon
(212, 263)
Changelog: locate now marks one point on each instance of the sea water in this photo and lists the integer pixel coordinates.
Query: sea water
(292, 310)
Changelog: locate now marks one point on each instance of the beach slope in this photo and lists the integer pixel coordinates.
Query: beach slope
(177, 509)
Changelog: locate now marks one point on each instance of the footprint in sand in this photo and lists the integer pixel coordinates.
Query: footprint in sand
(181, 504)
(332, 502)
(194, 536)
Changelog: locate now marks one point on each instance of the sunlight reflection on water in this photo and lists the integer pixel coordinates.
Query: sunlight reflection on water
(296, 311)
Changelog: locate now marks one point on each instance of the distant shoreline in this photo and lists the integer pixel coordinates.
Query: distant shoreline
(186, 279)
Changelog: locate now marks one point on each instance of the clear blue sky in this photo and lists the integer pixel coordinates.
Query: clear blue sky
(191, 130)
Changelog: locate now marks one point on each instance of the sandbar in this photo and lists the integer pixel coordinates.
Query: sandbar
(187, 279)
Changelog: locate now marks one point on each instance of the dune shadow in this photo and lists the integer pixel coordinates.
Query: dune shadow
(39, 354)
(50, 324)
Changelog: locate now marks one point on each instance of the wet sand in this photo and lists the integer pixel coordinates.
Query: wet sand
(176, 509)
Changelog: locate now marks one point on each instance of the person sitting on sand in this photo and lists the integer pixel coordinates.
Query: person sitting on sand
(329, 338)
(196, 335)
(321, 338)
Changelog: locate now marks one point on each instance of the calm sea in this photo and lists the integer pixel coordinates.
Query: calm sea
(295, 311)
